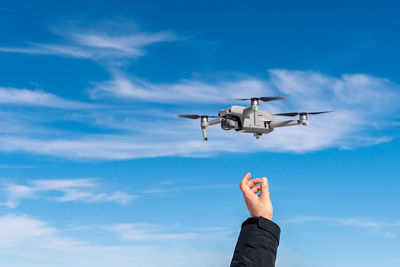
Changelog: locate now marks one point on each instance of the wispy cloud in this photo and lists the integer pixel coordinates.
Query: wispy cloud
(356, 222)
(155, 232)
(364, 93)
(381, 227)
(15, 96)
(71, 190)
(168, 189)
(16, 229)
(13, 166)
(183, 91)
(362, 105)
(306, 89)
(95, 44)
(148, 232)
(117, 147)
(28, 241)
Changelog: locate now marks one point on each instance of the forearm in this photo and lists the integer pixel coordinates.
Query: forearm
(257, 244)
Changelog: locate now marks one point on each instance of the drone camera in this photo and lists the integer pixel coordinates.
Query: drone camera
(227, 124)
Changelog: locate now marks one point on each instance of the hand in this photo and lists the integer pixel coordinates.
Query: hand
(258, 205)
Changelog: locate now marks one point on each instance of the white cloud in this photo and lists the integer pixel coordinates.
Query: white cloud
(184, 91)
(16, 229)
(121, 146)
(14, 96)
(306, 89)
(20, 230)
(166, 189)
(12, 166)
(29, 242)
(96, 45)
(362, 105)
(363, 93)
(148, 232)
(75, 190)
(380, 227)
(155, 232)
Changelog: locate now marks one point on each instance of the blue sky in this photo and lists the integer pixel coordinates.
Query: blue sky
(96, 171)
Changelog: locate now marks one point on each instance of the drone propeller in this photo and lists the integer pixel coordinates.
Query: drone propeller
(204, 122)
(292, 114)
(264, 98)
(194, 116)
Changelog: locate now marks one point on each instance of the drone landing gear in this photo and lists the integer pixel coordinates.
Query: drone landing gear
(257, 135)
(203, 131)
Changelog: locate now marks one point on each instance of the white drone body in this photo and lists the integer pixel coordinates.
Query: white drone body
(250, 119)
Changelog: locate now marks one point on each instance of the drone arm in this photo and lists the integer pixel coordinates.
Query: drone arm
(276, 124)
(213, 122)
(205, 123)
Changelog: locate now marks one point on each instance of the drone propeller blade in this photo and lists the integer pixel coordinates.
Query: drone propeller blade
(320, 112)
(264, 98)
(289, 114)
(292, 114)
(194, 116)
(188, 116)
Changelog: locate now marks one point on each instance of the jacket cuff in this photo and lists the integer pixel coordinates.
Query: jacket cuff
(265, 224)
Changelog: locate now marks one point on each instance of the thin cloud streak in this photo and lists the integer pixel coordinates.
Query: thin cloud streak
(380, 227)
(96, 45)
(15, 96)
(196, 91)
(72, 190)
(186, 188)
(148, 232)
(306, 89)
(11, 166)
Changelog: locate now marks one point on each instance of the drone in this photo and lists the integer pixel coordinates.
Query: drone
(250, 119)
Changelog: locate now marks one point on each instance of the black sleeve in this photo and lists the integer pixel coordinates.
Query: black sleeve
(257, 244)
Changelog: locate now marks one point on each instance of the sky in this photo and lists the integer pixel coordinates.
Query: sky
(95, 170)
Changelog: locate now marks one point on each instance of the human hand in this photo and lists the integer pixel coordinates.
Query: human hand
(257, 205)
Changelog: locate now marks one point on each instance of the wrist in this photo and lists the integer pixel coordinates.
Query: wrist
(265, 215)
(263, 224)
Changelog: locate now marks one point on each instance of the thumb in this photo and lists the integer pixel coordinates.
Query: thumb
(264, 188)
(245, 180)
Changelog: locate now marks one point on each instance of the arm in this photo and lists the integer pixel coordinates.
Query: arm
(276, 124)
(259, 238)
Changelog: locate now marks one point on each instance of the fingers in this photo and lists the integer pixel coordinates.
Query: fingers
(254, 185)
(256, 189)
(244, 181)
(253, 182)
(264, 188)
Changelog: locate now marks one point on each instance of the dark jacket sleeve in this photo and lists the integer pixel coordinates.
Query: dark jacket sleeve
(257, 244)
